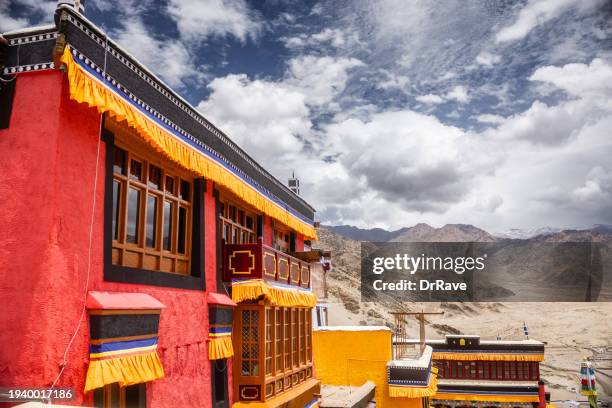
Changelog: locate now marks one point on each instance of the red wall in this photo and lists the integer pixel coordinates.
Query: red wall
(268, 232)
(47, 162)
(299, 243)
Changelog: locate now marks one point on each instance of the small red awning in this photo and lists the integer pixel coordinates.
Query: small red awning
(219, 299)
(122, 301)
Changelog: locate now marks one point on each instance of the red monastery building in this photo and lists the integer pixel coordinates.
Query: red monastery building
(146, 259)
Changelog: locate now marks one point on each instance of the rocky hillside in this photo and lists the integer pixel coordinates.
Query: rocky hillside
(468, 233)
(449, 233)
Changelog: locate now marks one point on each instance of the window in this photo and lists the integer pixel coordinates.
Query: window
(151, 214)
(269, 339)
(287, 349)
(281, 240)
(154, 216)
(250, 343)
(279, 339)
(286, 358)
(237, 225)
(308, 336)
(114, 396)
(294, 336)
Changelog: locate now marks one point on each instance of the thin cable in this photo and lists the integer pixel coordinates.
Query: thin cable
(8, 80)
(91, 223)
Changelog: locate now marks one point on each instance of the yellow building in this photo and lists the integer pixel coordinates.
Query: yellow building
(354, 355)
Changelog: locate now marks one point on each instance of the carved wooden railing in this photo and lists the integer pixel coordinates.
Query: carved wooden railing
(259, 261)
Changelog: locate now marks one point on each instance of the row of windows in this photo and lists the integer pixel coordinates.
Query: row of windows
(488, 370)
(237, 225)
(287, 340)
(151, 217)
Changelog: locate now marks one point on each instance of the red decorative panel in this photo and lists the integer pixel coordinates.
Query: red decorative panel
(295, 273)
(259, 261)
(279, 386)
(305, 276)
(242, 261)
(287, 382)
(249, 392)
(283, 269)
(269, 264)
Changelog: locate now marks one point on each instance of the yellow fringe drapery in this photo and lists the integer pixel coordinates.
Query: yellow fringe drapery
(85, 88)
(487, 356)
(488, 397)
(254, 289)
(399, 391)
(220, 347)
(126, 370)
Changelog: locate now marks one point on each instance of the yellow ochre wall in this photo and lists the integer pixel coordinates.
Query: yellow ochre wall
(352, 357)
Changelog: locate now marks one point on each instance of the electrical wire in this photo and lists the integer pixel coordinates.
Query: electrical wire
(91, 224)
(6, 81)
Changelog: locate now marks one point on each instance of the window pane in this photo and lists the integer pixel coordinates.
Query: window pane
(116, 204)
(154, 177)
(170, 185)
(225, 232)
(151, 229)
(133, 216)
(167, 239)
(119, 161)
(182, 229)
(136, 170)
(185, 190)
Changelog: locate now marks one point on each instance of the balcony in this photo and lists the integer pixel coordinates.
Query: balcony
(259, 261)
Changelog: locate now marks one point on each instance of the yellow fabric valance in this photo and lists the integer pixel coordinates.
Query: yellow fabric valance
(487, 397)
(254, 289)
(407, 391)
(126, 370)
(487, 356)
(220, 347)
(87, 88)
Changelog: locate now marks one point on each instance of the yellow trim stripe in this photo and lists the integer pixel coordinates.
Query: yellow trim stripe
(483, 356)
(85, 88)
(220, 335)
(255, 288)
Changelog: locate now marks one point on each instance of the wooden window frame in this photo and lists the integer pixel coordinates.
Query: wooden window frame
(194, 278)
(177, 262)
(235, 224)
(103, 397)
(272, 334)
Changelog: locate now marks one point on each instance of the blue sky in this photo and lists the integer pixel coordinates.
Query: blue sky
(495, 113)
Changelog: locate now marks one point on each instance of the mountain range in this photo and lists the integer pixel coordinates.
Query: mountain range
(465, 232)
